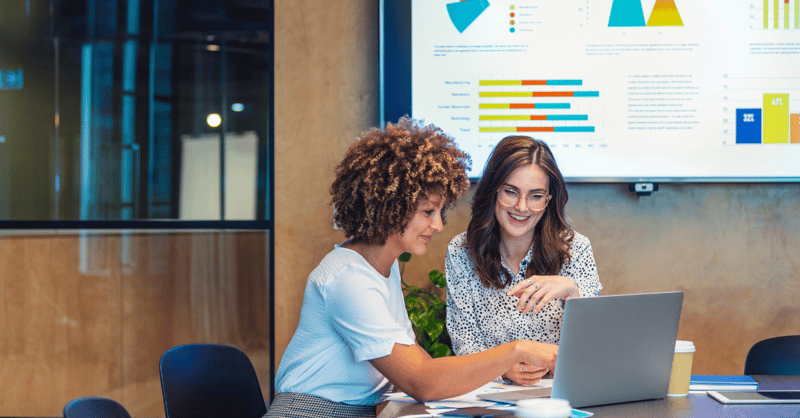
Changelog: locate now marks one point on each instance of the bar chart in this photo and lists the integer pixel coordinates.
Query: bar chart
(776, 14)
(773, 123)
(548, 105)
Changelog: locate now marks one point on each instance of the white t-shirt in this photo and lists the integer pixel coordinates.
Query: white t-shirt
(350, 314)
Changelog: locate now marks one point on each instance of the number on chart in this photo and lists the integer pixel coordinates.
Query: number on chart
(749, 117)
(777, 101)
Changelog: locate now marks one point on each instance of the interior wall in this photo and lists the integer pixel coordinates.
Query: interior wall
(732, 248)
(91, 315)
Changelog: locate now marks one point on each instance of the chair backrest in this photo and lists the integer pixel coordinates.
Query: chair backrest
(95, 407)
(210, 380)
(775, 356)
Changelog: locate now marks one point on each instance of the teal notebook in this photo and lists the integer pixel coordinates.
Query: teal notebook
(722, 382)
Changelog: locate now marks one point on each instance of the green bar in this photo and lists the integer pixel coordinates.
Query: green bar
(504, 94)
(797, 14)
(504, 117)
(776, 119)
(490, 129)
(494, 106)
(500, 82)
(766, 14)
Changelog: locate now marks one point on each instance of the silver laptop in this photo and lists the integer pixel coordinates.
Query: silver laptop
(613, 349)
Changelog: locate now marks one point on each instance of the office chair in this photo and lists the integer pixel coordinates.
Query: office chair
(94, 407)
(210, 380)
(775, 356)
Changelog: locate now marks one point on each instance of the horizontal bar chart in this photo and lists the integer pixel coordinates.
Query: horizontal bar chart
(537, 129)
(530, 82)
(523, 106)
(539, 94)
(534, 117)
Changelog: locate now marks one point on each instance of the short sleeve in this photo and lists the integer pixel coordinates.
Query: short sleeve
(358, 302)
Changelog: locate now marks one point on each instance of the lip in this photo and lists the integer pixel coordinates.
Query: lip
(511, 218)
(426, 238)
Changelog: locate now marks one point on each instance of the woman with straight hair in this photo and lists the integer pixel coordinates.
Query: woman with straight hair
(509, 274)
(354, 338)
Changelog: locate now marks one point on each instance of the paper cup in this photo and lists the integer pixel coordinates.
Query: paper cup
(681, 369)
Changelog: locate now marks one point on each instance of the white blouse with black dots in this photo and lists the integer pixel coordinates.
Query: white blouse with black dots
(479, 318)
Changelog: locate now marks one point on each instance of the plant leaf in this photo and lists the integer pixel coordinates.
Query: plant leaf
(437, 278)
(434, 328)
(404, 257)
(440, 350)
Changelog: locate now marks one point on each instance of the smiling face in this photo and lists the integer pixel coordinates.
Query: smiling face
(426, 221)
(518, 221)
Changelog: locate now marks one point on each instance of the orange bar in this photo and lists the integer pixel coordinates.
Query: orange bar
(552, 94)
(538, 117)
(534, 82)
(536, 129)
(794, 128)
(522, 106)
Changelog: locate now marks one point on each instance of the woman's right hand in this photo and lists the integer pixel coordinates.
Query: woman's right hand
(536, 355)
(523, 374)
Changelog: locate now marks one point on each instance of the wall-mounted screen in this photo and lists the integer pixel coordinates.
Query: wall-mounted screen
(621, 90)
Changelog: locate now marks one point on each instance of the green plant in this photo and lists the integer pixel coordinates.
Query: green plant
(427, 313)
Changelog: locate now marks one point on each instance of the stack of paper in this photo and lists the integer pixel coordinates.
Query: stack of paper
(736, 383)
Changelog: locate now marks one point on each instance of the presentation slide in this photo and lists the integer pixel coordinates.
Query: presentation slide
(621, 90)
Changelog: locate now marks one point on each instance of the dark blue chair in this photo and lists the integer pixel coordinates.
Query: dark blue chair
(210, 380)
(95, 407)
(775, 356)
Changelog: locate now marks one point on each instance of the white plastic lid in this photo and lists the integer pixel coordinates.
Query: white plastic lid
(684, 346)
(543, 408)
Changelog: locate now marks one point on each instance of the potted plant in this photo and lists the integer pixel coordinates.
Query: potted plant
(428, 313)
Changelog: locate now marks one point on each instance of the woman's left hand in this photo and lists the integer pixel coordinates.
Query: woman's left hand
(535, 291)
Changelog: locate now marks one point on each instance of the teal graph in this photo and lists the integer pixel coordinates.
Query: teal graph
(463, 13)
(626, 13)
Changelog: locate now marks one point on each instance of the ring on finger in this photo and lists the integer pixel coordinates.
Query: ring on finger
(530, 282)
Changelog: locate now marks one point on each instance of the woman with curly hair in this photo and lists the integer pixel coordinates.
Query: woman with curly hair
(354, 338)
(508, 274)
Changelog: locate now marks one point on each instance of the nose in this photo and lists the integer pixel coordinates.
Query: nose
(437, 225)
(522, 204)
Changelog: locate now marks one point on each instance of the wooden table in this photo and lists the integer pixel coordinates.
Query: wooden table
(694, 405)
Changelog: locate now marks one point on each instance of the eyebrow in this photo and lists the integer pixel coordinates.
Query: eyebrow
(511, 186)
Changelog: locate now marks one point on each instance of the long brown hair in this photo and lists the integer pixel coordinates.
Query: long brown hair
(552, 235)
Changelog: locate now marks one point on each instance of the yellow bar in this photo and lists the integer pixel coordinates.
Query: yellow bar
(500, 82)
(494, 106)
(797, 14)
(766, 14)
(776, 12)
(786, 15)
(504, 117)
(505, 94)
(776, 119)
(491, 129)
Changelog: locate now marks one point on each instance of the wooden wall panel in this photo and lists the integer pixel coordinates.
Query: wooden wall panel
(79, 326)
(732, 248)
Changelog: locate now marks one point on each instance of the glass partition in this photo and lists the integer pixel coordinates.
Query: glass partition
(114, 110)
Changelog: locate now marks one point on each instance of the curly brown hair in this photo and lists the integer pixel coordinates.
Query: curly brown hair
(385, 174)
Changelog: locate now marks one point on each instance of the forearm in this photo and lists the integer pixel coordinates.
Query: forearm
(447, 377)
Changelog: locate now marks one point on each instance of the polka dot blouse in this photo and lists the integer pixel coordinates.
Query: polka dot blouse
(479, 318)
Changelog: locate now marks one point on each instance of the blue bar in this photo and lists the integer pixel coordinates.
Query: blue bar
(748, 126)
(552, 105)
(573, 129)
(586, 94)
(564, 82)
(567, 117)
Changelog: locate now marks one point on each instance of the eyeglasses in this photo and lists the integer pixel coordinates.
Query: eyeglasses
(535, 201)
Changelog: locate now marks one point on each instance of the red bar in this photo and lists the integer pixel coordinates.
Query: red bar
(536, 82)
(536, 129)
